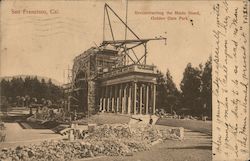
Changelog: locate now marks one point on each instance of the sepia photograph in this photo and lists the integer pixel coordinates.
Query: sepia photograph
(127, 80)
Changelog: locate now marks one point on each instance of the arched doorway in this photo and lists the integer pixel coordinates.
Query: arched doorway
(80, 92)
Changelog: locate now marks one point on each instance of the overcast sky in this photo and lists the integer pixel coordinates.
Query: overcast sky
(46, 44)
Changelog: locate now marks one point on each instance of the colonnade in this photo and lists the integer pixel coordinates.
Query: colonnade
(128, 98)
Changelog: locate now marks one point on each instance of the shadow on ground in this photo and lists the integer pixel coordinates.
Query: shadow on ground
(194, 125)
(193, 147)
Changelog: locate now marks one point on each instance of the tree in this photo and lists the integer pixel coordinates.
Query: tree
(27, 85)
(35, 83)
(5, 88)
(28, 88)
(173, 94)
(160, 92)
(191, 89)
(43, 88)
(169, 84)
(16, 87)
(206, 90)
(167, 93)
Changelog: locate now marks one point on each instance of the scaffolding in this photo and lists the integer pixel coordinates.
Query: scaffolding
(110, 60)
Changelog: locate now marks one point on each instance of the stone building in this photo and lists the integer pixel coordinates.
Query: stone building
(108, 78)
(101, 82)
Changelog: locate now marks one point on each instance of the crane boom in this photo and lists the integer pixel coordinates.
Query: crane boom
(131, 41)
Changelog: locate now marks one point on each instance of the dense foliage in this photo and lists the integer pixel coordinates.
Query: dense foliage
(195, 94)
(17, 89)
(167, 93)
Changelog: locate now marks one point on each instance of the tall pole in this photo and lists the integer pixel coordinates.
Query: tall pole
(146, 52)
(126, 19)
(122, 21)
(112, 34)
(103, 25)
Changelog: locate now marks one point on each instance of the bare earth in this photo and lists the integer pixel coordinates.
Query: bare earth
(196, 146)
(16, 135)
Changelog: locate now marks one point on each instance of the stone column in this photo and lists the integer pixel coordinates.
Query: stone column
(117, 98)
(154, 97)
(100, 109)
(140, 105)
(101, 99)
(108, 98)
(146, 101)
(120, 98)
(112, 99)
(104, 99)
(129, 99)
(124, 99)
(134, 97)
(113, 104)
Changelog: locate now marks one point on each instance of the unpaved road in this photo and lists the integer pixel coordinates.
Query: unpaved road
(16, 135)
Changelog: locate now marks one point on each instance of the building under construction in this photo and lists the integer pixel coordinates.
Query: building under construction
(112, 77)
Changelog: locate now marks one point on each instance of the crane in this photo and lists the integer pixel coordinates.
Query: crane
(126, 45)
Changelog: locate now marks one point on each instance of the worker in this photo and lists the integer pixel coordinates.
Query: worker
(150, 120)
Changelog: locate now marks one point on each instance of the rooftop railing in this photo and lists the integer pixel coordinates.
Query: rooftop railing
(149, 69)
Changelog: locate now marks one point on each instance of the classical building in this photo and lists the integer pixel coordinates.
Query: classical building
(107, 78)
(128, 90)
(100, 83)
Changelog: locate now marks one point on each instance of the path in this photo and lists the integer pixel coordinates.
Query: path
(16, 135)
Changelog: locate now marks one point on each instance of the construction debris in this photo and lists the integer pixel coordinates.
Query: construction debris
(105, 140)
(2, 132)
(45, 114)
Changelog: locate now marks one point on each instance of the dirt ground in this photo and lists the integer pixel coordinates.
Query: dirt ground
(16, 135)
(196, 146)
(194, 125)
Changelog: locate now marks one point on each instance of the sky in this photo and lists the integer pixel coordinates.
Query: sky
(46, 44)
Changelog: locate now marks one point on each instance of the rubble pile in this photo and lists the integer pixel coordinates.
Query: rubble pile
(147, 133)
(2, 132)
(65, 150)
(46, 114)
(111, 131)
(109, 140)
(173, 134)
(48, 150)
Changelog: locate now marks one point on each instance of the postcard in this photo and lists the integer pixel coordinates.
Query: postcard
(126, 80)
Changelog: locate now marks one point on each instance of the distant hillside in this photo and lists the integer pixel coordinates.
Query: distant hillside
(32, 76)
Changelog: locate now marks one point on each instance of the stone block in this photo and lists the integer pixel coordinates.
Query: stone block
(179, 132)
